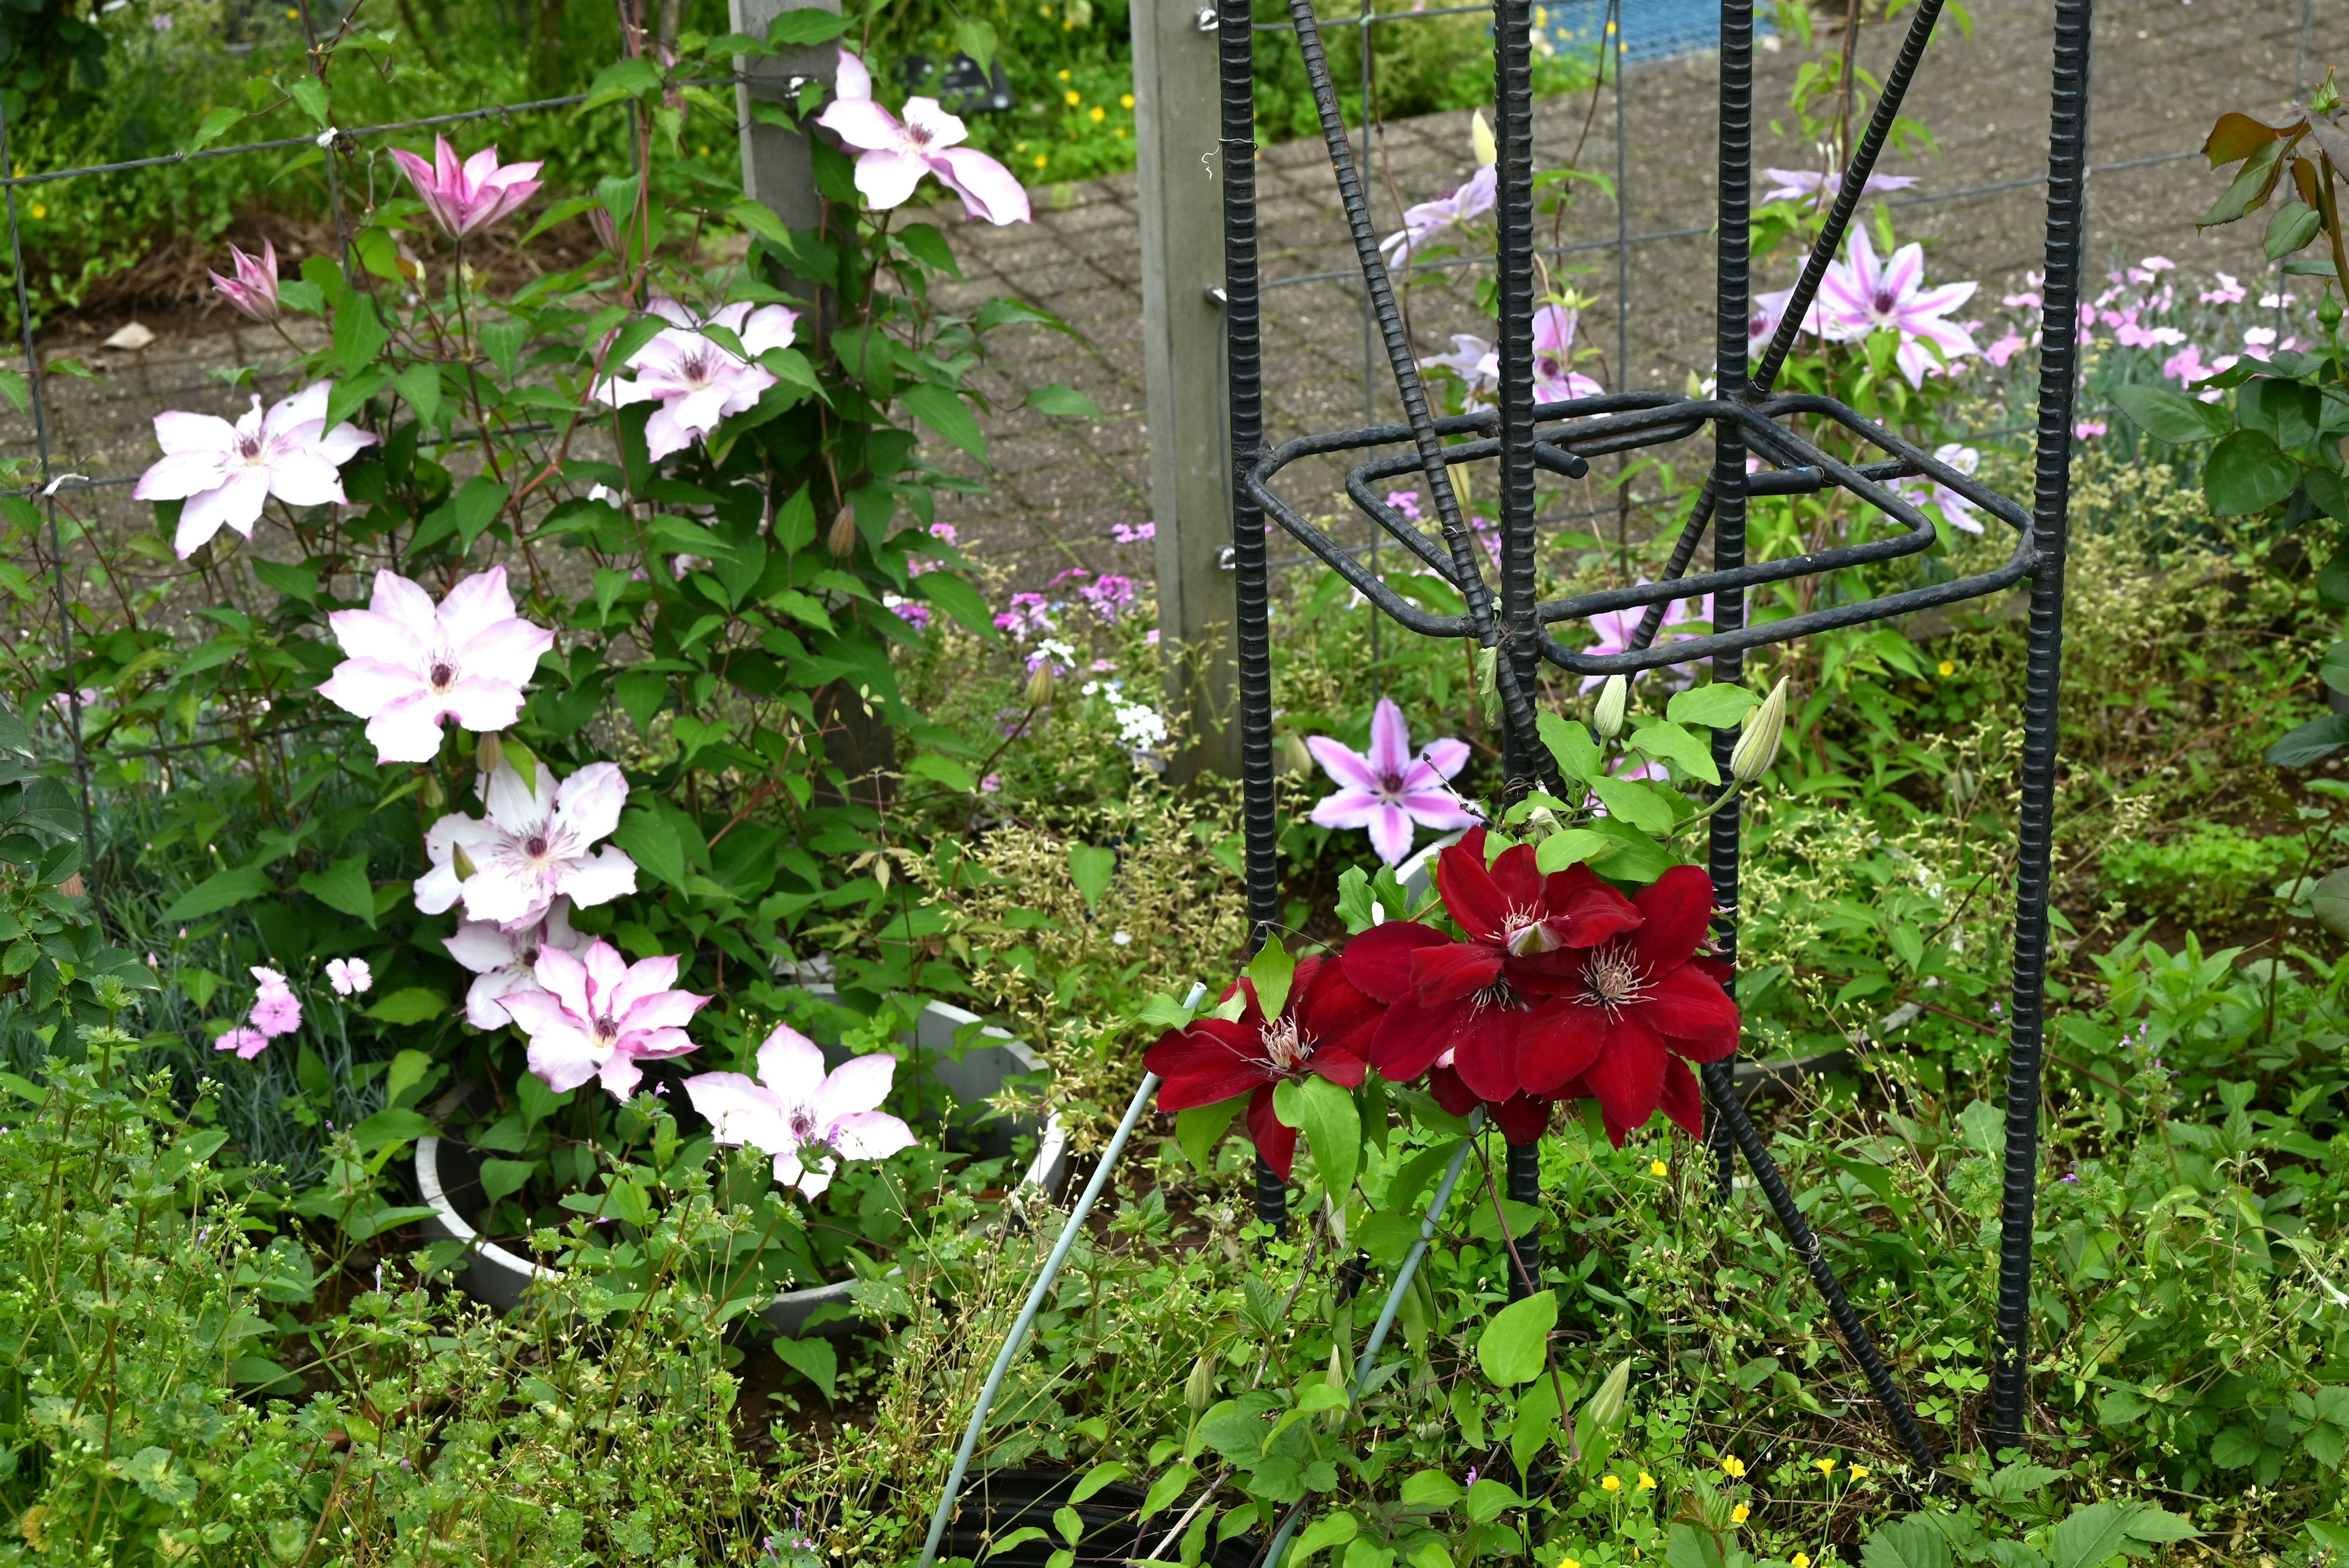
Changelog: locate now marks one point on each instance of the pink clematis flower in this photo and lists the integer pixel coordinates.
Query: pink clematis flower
(1555, 380)
(469, 196)
(596, 1015)
(253, 290)
(1927, 491)
(1615, 628)
(1477, 364)
(1809, 184)
(892, 156)
(697, 381)
(1391, 788)
(1422, 222)
(413, 664)
(532, 848)
(504, 962)
(1859, 295)
(225, 471)
(807, 1119)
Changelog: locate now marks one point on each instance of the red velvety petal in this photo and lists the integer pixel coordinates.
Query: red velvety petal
(1378, 962)
(1203, 1065)
(1335, 1014)
(1411, 1037)
(1628, 1076)
(1486, 1055)
(1559, 1041)
(1684, 1101)
(1452, 972)
(1343, 1068)
(1517, 878)
(1522, 1118)
(1452, 1094)
(1692, 1014)
(1470, 895)
(1677, 906)
(1276, 1143)
(1592, 910)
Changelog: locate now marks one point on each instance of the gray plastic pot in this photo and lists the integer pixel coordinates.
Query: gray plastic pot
(448, 1174)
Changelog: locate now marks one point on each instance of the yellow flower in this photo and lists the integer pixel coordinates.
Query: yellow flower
(1860, 1472)
(1073, 97)
(1612, 1483)
(1948, 670)
(1569, 1563)
(1099, 114)
(1826, 1467)
(1739, 1514)
(1118, 132)
(1039, 161)
(1018, 147)
(1064, 75)
(1734, 1467)
(1126, 101)
(1068, 27)
(39, 211)
(1801, 1560)
(1647, 1481)
(1658, 1168)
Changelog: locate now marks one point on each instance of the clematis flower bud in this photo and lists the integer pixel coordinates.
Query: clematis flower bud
(463, 864)
(1606, 718)
(1766, 726)
(1040, 684)
(253, 290)
(1604, 1407)
(1199, 1388)
(434, 795)
(842, 540)
(489, 752)
(1480, 136)
(1299, 756)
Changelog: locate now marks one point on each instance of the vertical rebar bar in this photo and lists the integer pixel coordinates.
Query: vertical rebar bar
(1513, 100)
(1733, 300)
(1523, 1168)
(2066, 200)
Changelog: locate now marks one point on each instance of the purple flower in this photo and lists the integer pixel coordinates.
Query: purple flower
(2229, 291)
(1390, 790)
(912, 612)
(1614, 629)
(2186, 367)
(1796, 184)
(463, 197)
(892, 156)
(1132, 534)
(225, 471)
(2005, 349)
(1475, 361)
(1109, 594)
(597, 1016)
(1428, 219)
(1406, 505)
(1030, 616)
(807, 1119)
(246, 1043)
(1860, 295)
(2087, 430)
(253, 290)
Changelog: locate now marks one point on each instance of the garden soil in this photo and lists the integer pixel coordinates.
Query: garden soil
(2163, 71)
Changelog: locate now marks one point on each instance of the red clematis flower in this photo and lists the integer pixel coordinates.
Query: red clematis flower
(1322, 1030)
(1633, 1005)
(1485, 999)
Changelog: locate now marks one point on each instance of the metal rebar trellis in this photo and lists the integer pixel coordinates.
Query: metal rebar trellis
(1745, 417)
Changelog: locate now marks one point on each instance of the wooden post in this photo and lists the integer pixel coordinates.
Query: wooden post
(777, 170)
(1175, 132)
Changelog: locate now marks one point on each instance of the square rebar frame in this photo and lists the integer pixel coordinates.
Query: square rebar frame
(1524, 436)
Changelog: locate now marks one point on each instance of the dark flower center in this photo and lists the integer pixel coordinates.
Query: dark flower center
(442, 676)
(535, 845)
(1883, 302)
(248, 447)
(607, 1029)
(528, 958)
(802, 1125)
